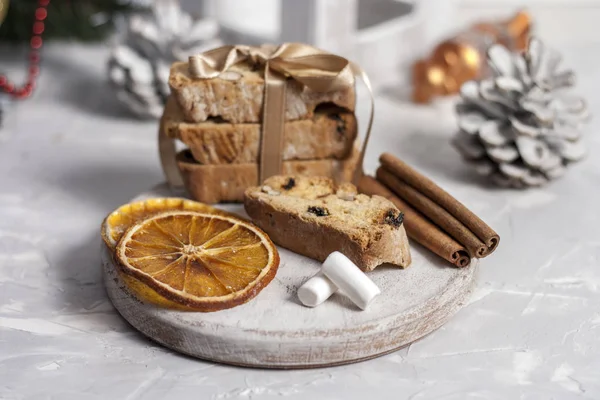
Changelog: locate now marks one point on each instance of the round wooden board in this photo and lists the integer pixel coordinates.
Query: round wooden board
(275, 331)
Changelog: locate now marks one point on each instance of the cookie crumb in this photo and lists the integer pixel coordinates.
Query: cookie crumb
(318, 211)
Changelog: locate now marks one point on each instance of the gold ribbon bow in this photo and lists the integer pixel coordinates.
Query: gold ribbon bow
(314, 68)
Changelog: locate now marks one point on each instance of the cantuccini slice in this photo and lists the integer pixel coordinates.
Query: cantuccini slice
(227, 182)
(330, 133)
(314, 217)
(237, 95)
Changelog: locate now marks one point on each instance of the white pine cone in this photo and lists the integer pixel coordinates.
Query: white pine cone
(520, 127)
(138, 67)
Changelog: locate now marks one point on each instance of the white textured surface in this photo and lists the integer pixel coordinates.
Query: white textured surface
(532, 330)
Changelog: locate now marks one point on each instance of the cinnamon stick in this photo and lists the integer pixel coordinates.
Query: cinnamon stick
(439, 196)
(418, 227)
(434, 212)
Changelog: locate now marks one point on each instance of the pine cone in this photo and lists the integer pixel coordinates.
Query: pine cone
(139, 66)
(519, 127)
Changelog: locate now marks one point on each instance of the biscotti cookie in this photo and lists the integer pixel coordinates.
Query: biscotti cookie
(227, 182)
(314, 217)
(237, 95)
(329, 134)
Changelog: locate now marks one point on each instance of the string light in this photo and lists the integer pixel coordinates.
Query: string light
(35, 46)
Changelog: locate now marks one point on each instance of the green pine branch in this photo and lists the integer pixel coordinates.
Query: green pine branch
(86, 20)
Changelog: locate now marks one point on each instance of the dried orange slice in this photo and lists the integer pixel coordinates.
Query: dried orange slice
(117, 222)
(205, 261)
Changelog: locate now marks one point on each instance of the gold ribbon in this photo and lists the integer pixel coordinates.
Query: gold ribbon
(314, 68)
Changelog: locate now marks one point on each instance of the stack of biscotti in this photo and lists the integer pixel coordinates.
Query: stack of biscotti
(219, 120)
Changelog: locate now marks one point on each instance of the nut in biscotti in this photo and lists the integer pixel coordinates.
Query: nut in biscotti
(314, 217)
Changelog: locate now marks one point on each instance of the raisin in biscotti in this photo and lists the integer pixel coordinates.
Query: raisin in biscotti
(227, 182)
(329, 134)
(314, 217)
(237, 95)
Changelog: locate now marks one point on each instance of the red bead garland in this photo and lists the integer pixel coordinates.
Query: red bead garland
(34, 56)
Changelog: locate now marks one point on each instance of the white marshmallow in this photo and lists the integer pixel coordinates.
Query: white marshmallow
(350, 279)
(316, 290)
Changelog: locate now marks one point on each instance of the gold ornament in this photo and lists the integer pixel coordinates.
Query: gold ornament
(462, 57)
(3, 10)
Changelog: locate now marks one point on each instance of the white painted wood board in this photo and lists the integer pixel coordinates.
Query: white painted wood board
(275, 331)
